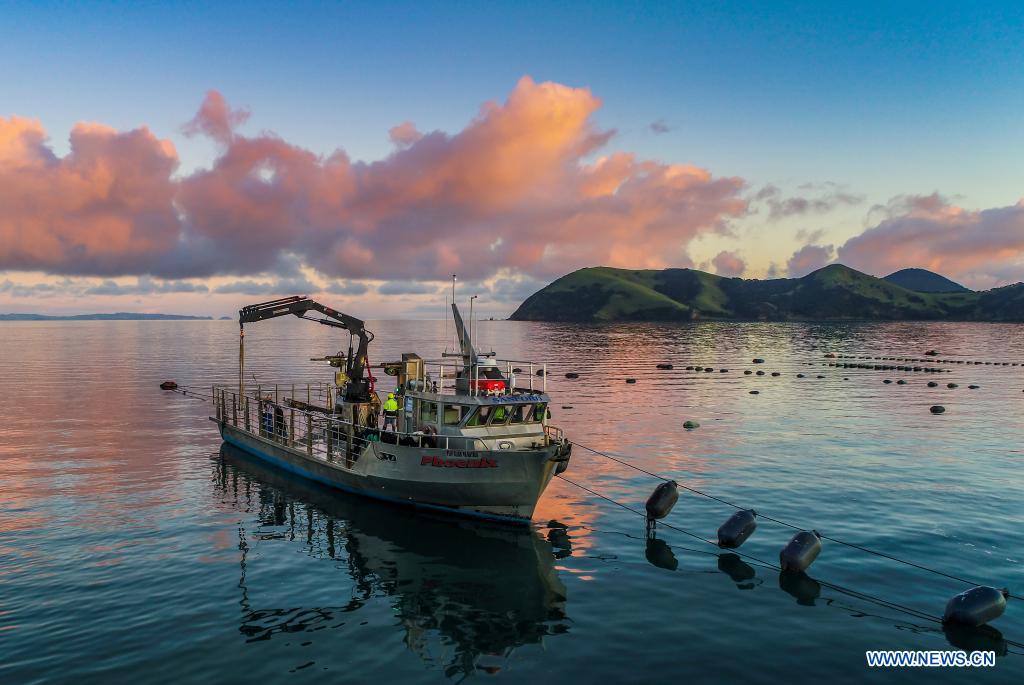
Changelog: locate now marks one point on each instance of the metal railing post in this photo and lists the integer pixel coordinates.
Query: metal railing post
(330, 440)
(247, 429)
(309, 433)
(291, 426)
(348, 447)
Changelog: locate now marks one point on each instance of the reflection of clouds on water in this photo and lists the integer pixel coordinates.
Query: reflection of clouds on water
(466, 593)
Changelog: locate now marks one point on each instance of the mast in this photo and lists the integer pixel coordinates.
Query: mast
(465, 342)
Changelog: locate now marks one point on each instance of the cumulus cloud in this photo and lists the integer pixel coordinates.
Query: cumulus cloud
(729, 264)
(107, 208)
(820, 199)
(809, 258)
(34, 290)
(522, 186)
(405, 134)
(216, 119)
(346, 288)
(145, 285)
(281, 286)
(514, 289)
(659, 127)
(407, 288)
(979, 248)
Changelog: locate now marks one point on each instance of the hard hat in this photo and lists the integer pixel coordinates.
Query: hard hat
(391, 395)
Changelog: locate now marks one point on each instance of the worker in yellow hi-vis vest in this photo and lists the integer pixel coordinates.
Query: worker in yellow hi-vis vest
(391, 412)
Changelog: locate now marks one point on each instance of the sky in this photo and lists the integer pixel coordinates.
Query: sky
(195, 157)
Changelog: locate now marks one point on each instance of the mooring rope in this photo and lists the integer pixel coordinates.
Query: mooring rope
(880, 601)
(762, 562)
(189, 392)
(781, 522)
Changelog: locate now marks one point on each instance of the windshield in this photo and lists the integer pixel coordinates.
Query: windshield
(502, 415)
(499, 417)
(480, 416)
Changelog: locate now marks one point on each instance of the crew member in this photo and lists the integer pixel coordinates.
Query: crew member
(391, 412)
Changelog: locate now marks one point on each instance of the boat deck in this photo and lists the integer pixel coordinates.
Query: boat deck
(297, 417)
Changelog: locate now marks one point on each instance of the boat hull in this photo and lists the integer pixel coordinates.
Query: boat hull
(500, 484)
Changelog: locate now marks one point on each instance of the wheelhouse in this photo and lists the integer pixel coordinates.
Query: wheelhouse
(444, 414)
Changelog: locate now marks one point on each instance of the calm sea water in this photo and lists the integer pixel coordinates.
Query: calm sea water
(134, 548)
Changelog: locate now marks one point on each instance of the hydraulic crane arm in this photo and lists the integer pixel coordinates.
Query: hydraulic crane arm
(358, 388)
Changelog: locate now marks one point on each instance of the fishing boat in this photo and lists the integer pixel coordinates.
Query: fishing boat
(471, 436)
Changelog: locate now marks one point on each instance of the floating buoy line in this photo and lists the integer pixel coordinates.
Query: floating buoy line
(974, 607)
(971, 608)
(767, 564)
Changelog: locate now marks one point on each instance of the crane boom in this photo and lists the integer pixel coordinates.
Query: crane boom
(358, 389)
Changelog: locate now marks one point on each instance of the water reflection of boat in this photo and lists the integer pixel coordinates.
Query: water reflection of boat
(483, 587)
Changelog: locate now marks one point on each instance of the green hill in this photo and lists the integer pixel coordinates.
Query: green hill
(924, 281)
(834, 292)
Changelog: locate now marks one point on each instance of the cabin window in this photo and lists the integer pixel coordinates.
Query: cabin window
(521, 413)
(539, 410)
(428, 412)
(453, 414)
(480, 416)
(499, 416)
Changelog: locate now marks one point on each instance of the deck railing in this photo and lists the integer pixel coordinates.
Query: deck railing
(553, 433)
(292, 417)
(438, 375)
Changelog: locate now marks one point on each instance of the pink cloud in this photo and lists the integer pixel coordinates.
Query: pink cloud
(980, 248)
(520, 187)
(809, 258)
(216, 119)
(405, 134)
(729, 264)
(105, 208)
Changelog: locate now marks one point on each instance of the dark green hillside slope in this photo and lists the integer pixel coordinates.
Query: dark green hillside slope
(924, 281)
(834, 292)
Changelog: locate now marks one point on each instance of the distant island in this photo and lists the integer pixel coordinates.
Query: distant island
(835, 292)
(119, 316)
